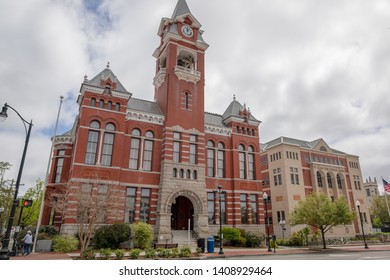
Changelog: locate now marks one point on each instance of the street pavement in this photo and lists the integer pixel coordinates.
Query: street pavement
(228, 252)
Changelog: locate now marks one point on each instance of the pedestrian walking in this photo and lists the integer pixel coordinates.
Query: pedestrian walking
(27, 239)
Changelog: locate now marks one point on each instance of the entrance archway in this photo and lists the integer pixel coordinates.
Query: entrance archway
(182, 209)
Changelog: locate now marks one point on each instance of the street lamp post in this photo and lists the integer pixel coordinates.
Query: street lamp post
(283, 225)
(361, 223)
(220, 221)
(3, 116)
(265, 199)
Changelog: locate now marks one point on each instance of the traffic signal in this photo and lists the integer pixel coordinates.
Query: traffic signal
(27, 202)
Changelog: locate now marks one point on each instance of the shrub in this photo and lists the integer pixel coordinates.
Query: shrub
(231, 236)
(111, 236)
(163, 253)
(199, 251)
(175, 252)
(105, 254)
(65, 244)
(47, 232)
(185, 252)
(88, 254)
(254, 240)
(119, 254)
(150, 253)
(143, 235)
(134, 254)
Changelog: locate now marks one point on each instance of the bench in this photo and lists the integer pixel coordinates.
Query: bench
(165, 246)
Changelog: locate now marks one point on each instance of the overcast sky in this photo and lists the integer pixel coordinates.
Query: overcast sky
(307, 69)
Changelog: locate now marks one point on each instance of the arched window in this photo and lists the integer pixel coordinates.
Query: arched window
(251, 163)
(135, 148)
(109, 105)
(108, 144)
(92, 144)
(241, 161)
(117, 106)
(188, 174)
(329, 178)
(195, 175)
(93, 102)
(210, 158)
(319, 179)
(221, 160)
(339, 182)
(174, 174)
(107, 89)
(101, 103)
(181, 173)
(148, 151)
(186, 60)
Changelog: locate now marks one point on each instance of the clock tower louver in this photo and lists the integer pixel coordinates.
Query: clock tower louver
(179, 92)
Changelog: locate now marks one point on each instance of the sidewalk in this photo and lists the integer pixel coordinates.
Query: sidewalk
(228, 252)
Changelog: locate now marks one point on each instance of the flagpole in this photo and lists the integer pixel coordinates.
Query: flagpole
(387, 203)
(46, 179)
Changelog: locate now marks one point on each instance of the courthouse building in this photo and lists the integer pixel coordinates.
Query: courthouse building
(292, 169)
(165, 158)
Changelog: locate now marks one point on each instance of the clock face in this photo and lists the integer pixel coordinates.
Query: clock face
(187, 31)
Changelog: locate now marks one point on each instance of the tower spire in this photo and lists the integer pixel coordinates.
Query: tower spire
(181, 9)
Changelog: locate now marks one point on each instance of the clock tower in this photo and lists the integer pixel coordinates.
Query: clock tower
(179, 92)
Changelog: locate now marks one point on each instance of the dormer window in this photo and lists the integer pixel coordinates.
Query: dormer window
(186, 60)
(107, 89)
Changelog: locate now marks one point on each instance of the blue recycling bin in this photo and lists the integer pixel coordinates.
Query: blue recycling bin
(210, 244)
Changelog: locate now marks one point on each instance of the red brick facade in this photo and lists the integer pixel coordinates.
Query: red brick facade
(164, 158)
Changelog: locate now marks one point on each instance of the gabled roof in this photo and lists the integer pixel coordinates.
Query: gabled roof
(105, 75)
(234, 110)
(311, 145)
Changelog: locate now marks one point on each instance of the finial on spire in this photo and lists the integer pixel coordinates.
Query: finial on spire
(234, 97)
(85, 78)
(108, 65)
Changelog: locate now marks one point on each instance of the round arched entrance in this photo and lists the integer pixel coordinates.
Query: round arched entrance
(182, 212)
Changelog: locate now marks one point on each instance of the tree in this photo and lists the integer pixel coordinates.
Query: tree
(30, 214)
(378, 209)
(88, 205)
(318, 211)
(6, 195)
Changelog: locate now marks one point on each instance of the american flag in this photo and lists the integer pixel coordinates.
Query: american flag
(386, 186)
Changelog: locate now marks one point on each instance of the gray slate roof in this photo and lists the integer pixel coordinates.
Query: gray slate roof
(104, 75)
(181, 9)
(301, 143)
(144, 106)
(234, 111)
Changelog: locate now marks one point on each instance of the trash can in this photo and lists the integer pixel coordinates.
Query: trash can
(202, 244)
(210, 244)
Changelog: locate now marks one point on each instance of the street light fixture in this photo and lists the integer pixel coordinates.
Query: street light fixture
(282, 223)
(3, 116)
(361, 223)
(220, 221)
(265, 199)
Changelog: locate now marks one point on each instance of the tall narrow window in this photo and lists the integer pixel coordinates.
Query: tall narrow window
(130, 205)
(277, 176)
(210, 159)
(187, 100)
(101, 103)
(193, 149)
(109, 105)
(211, 207)
(330, 183)
(145, 205)
(339, 183)
(176, 146)
(108, 144)
(319, 179)
(241, 160)
(221, 160)
(93, 138)
(93, 102)
(244, 210)
(251, 163)
(134, 148)
(148, 151)
(59, 165)
(254, 208)
(117, 107)
(294, 176)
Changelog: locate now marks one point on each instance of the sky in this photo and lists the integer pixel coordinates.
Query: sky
(307, 69)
